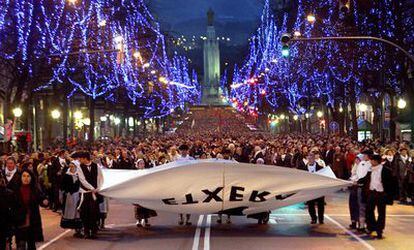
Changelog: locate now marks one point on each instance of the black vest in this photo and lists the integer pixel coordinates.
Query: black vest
(90, 176)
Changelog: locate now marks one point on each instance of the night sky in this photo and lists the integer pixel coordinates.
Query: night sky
(183, 16)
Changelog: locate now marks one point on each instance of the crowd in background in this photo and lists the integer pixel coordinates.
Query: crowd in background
(59, 178)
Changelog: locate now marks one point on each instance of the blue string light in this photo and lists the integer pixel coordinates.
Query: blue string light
(84, 35)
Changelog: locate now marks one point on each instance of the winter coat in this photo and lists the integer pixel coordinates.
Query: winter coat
(36, 199)
(8, 206)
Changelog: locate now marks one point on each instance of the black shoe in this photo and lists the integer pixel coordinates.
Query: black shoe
(321, 222)
(93, 236)
(379, 236)
(188, 223)
(181, 223)
(313, 221)
(78, 235)
(219, 221)
(362, 230)
(353, 225)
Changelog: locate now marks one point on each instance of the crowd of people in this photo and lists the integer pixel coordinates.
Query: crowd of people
(67, 180)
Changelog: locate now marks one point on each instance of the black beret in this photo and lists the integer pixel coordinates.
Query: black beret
(376, 158)
(183, 147)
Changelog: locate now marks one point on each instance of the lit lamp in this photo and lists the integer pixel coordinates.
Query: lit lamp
(295, 117)
(55, 114)
(102, 23)
(136, 55)
(363, 107)
(297, 34)
(86, 121)
(117, 121)
(401, 104)
(282, 116)
(319, 114)
(78, 115)
(311, 18)
(104, 118)
(118, 39)
(17, 112)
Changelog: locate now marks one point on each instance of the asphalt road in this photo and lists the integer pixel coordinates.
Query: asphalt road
(288, 228)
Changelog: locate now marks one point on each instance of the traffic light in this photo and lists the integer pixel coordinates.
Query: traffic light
(285, 51)
(344, 6)
(285, 45)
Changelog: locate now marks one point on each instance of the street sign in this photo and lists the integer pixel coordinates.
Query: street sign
(334, 126)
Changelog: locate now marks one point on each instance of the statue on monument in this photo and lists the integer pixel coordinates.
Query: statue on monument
(210, 17)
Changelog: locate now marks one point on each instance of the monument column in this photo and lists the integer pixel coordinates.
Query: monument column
(211, 83)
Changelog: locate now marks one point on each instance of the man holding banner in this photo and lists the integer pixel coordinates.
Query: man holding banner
(312, 167)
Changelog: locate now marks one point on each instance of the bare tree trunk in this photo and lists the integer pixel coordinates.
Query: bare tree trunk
(353, 113)
(48, 125)
(65, 119)
(92, 119)
(393, 116)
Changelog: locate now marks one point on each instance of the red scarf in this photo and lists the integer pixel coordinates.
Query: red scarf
(25, 192)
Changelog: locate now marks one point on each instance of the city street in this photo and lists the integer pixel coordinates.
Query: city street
(288, 228)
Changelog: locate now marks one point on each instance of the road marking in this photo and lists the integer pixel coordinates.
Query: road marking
(207, 233)
(272, 221)
(53, 240)
(363, 242)
(342, 215)
(196, 241)
(120, 225)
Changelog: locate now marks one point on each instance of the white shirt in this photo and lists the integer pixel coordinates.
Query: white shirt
(312, 168)
(85, 183)
(62, 161)
(362, 169)
(376, 180)
(354, 176)
(10, 174)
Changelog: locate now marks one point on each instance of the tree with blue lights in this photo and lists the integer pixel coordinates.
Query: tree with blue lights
(326, 75)
(94, 47)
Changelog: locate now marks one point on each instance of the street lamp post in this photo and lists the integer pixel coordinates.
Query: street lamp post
(17, 112)
(55, 114)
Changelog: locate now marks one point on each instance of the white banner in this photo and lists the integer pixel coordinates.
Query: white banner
(211, 186)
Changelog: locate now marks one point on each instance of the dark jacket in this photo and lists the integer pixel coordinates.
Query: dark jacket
(403, 169)
(328, 157)
(387, 182)
(287, 162)
(68, 186)
(411, 173)
(124, 163)
(36, 200)
(55, 172)
(257, 156)
(14, 183)
(339, 166)
(8, 207)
